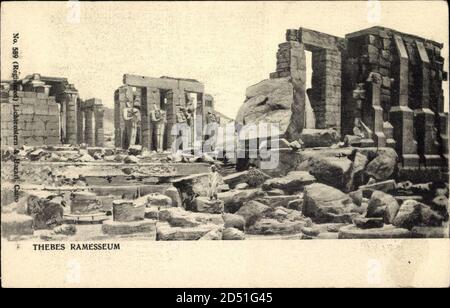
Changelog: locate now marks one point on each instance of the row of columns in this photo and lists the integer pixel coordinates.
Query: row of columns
(90, 122)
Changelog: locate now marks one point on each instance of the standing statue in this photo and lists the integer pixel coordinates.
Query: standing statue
(158, 118)
(132, 118)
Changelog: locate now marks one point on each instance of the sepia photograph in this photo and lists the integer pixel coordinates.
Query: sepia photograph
(176, 127)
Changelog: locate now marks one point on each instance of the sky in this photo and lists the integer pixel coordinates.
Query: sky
(226, 45)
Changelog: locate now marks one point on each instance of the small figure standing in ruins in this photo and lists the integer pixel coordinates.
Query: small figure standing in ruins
(132, 118)
(158, 118)
(213, 183)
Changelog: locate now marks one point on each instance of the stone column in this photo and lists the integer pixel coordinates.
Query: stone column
(71, 116)
(88, 126)
(326, 88)
(80, 132)
(373, 112)
(400, 115)
(426, 132)
(99, 133)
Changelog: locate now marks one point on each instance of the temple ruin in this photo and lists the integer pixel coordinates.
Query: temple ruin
(50, 112)
(181, 101)
(375, 87)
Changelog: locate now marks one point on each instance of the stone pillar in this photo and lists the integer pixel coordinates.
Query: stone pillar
(88, 126)
(326, 88)
(80, 131)
(99, 133)
(71, 116)
(373, 112)
(400, 115)
(427, 146)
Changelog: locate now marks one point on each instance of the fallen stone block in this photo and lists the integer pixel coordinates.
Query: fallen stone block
(36, 154)
(387, 231)
(242, 186)
(276, 201)
(383, 166)
(273, 226)
(234, 199)
(275, 192)
(413, 213)
(205, 205)
(135, 150)
(127, 211)
(296, 204)
(233, 221)
(252, 211)
(84, 202)
(178, 217)
(382, 205)
(440, 205)
(368, 223)
(151, 212)
(131, 159)
(157, 199)
(214, 235)
(16, 224)
(293, 182)
(166, 232)
(232, 234)
(327, 204)
(319, 137)
(129, 227)
(45, 208)
(310, 231)
(65, 229)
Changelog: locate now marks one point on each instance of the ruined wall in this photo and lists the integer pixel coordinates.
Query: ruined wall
(400, 76)
(38, 119)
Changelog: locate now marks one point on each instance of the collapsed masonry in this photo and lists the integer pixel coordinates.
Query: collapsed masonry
(49, 112)
(181, 100)
(379, 86)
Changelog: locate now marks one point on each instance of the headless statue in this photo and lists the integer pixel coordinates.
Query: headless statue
(132, 117)
(158, 118)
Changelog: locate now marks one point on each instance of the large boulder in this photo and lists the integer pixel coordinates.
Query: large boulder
(234, 199)
(236, 178)
(324, 204)
(252, 211)
(368, 223)
(382, 205)
(383, 166)
(319, 137)
(294, 181)
(413, 213)
(233, 221)
(213, 235)
(440, 205)
(46, 208)
(272, 101)
(333, 171)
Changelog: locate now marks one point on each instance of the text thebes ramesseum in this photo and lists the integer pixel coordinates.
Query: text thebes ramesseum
(77, 246)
